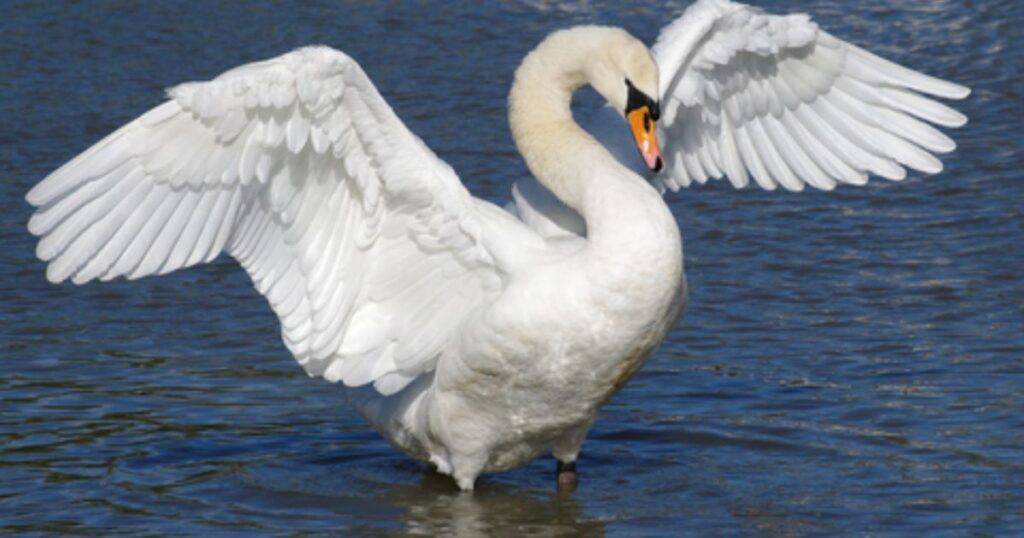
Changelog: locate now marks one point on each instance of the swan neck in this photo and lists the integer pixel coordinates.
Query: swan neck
(633, 248)
(617, 205)
(557, 151)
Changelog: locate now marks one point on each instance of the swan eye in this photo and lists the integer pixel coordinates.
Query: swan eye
(636, 99)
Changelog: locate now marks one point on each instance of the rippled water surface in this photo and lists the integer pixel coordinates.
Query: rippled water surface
(851, 363)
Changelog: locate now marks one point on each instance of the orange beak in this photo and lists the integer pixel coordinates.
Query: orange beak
(642, 125)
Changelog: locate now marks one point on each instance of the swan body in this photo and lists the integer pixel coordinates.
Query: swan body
(472, 336)
(568, 330)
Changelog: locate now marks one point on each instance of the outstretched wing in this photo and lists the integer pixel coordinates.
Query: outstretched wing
(751, 94)
(364, 242)
(746, 94)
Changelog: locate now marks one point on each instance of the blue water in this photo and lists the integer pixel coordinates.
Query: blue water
(851, 363)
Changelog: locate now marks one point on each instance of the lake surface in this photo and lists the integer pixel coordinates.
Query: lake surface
(851, 363)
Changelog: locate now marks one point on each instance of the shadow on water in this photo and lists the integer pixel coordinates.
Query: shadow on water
(395, 497)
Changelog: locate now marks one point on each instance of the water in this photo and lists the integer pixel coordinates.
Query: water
(851, 364)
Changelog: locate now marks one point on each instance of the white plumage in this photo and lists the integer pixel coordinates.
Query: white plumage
(777, 100)
(291, 166)
(486, 338)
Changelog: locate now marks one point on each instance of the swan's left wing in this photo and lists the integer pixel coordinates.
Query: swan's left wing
(747, 94)
(365, 243)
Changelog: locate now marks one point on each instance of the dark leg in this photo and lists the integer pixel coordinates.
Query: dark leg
(566, 474)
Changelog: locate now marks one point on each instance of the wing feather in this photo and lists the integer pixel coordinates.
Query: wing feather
(294, 166)
(776, 98)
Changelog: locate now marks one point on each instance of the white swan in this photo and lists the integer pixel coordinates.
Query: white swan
(472, 338)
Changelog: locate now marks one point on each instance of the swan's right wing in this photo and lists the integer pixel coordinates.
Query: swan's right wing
(745, 93)
(365, 243)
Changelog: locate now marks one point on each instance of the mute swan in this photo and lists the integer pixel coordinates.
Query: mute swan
(470, 336)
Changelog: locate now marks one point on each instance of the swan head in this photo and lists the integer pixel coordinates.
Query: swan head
(623, 71)
(616, 64)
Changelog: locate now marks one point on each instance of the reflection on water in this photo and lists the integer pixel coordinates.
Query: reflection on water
(851, 363)
(401, 498)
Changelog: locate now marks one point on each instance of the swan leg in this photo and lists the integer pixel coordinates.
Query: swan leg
(566, 449)
(565, 474)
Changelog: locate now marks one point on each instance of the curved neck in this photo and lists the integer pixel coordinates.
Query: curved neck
(559, 153)
(633, 243)
(613, 200)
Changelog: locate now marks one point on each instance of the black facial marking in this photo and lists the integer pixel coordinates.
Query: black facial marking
(636, 99)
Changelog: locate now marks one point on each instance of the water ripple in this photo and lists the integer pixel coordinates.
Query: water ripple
(851, 362)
